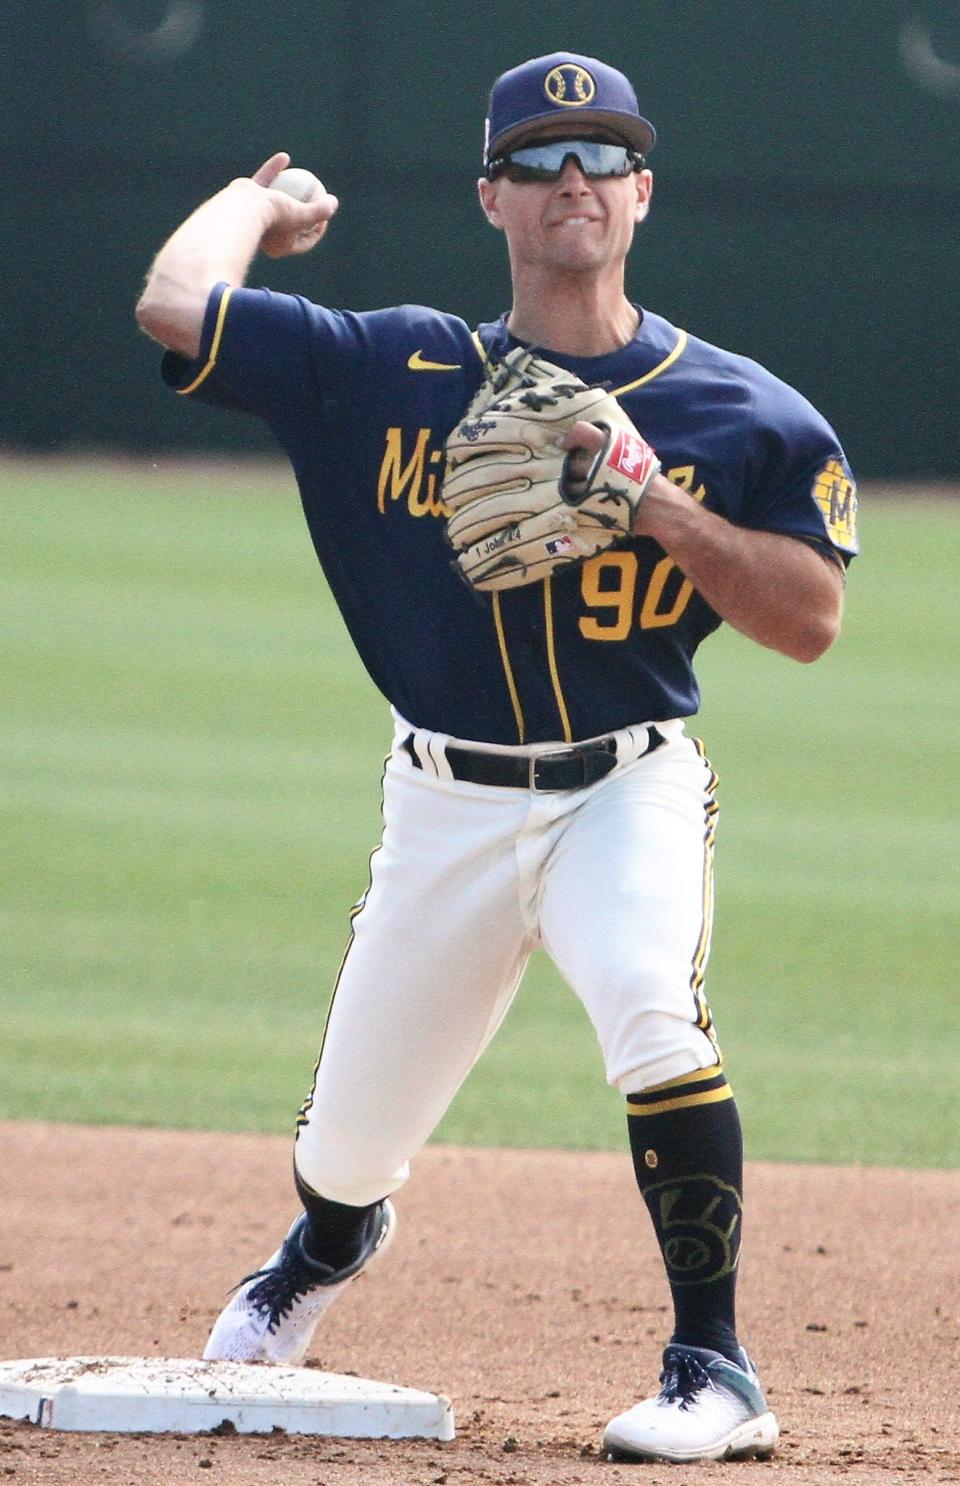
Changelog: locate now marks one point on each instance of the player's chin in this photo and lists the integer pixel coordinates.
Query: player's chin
(578, 255)
(587, 247)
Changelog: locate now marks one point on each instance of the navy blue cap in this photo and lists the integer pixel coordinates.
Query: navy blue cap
(563, 87)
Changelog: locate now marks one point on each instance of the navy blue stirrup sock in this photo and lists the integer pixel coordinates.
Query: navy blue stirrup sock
(687, 1149)
(334, 1233)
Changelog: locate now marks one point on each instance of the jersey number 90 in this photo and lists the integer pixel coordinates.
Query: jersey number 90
(609, 584)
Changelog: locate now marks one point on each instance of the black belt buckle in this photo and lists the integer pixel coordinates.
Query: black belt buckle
(572, 768)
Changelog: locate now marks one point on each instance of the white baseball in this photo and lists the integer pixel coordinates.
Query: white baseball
(295, 181)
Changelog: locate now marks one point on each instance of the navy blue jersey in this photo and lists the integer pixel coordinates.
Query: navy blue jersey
(362, 404)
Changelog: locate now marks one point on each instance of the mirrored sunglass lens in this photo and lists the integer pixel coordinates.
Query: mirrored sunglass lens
(546, 161)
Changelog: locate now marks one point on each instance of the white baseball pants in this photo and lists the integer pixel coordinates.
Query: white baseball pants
(615, 880)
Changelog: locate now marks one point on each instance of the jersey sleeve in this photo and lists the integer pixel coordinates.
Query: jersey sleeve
(799, 482)
(282, 357)
(273, 354)
(254, 354)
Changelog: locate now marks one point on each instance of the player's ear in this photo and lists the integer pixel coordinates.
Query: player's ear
(487, 191)
(643, 183)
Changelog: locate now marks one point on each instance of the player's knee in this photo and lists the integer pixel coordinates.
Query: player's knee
(653, 1046)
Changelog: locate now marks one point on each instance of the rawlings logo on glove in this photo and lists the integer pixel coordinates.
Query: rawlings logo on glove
(518, 511)
(631, 456)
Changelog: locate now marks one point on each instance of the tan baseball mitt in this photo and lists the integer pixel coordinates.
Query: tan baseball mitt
(516, 511)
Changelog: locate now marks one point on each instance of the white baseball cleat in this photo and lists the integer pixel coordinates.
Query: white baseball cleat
(274, 1313)
(708, 1408)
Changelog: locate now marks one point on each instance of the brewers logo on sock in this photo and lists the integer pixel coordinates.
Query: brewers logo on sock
(698, 1218)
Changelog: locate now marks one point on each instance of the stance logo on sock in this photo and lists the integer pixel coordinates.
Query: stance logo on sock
(698, 1220)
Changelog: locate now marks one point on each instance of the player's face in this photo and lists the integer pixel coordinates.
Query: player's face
(573, 224)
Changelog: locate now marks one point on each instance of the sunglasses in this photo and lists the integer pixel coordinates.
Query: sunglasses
(545, 162)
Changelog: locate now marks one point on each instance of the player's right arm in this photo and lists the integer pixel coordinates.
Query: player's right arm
(217, 244)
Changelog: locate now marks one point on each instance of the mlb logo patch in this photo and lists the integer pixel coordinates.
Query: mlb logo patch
(558, 546)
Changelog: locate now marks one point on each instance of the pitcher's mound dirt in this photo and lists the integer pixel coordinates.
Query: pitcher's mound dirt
(523, 1283)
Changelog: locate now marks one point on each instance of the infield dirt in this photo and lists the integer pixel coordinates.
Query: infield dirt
(525, 1284)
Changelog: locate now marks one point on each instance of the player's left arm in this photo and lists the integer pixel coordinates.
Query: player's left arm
(776, 589)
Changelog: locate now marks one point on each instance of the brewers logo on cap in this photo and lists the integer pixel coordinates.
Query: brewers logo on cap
(541, 91)
(569, 85)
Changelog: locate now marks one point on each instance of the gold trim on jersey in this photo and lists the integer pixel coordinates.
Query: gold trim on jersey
(497, 612)
(656, 371)
(552, 660)
(508, 669)
(214, 346)
(481, 349)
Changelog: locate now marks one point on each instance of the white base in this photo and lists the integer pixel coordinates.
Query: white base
(175, 1395)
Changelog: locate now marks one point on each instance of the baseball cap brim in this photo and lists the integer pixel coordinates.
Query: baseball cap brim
(638, 133)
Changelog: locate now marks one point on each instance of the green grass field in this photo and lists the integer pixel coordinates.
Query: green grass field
(190, 788)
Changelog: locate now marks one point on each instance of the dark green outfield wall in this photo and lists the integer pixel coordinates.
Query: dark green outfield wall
(806, 209)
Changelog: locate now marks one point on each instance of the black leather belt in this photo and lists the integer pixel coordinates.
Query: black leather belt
(560, 769)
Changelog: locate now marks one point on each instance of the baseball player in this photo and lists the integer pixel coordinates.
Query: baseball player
(529, 527)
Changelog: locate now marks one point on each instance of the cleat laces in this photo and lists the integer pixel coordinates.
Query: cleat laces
(682, 1380)
(278, 1289)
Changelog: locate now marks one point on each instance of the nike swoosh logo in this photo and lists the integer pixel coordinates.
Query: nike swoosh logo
(416, 362)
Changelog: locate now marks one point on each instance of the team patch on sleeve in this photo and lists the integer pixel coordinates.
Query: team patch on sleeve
(835, 493)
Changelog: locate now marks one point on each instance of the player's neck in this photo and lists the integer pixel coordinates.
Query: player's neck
(573, 316)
